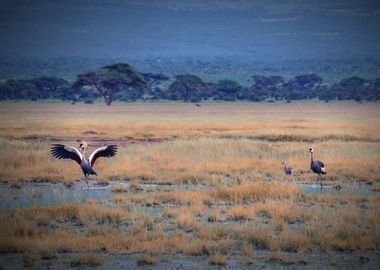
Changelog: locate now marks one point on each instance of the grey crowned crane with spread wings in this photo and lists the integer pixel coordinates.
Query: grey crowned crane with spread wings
(67, 152)
(317, 166)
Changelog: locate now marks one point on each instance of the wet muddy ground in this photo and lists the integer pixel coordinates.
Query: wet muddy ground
(45, 194)
(263, 260)
(54, 194)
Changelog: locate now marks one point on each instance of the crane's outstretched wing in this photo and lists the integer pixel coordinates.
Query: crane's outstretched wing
(68, 152)
(105, 151)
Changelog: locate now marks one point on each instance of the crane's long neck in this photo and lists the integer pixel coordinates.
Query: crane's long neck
(84, 153)
(311, 155)
(285, 166)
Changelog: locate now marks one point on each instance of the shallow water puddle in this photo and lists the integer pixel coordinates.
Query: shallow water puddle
(54, 194)
(50, 194)
(157, 211)
(352, 188)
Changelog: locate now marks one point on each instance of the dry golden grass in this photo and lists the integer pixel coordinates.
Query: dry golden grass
(281, 257)
(187, 222)
(84, 214)
(243, 141)
(214, 216)
(204, 160)
(237, 197)
(192, 197)
(92, 228)
(260, 236)
(293, 241)
(256, 190)
(166, 120)
(373, 218)
(146, 260)
(119, 199)
(248, 253)
(119, 188)
(238, 213)
(218, 259)
(135, 186)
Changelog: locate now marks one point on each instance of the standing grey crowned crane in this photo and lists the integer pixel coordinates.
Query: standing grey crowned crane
(287, 170)
(317, 166)
(67, 152)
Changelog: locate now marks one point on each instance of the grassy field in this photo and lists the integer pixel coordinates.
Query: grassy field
(228, 195)
(197, 144)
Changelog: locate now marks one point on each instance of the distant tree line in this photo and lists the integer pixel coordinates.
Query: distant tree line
(122, 82)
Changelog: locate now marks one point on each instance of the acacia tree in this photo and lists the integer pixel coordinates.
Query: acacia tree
(262, 81)
(227, 90)
(308, 80)
(153, 81)
(187, 86)
(265, 87)
(111, 79)
(228, 86)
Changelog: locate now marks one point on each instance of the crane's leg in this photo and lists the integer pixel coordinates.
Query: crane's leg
(85, 179)
(320, 180)
(88, 186)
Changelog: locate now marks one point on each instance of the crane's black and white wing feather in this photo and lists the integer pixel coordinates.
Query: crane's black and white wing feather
(105, 151)
(320, 163)
(62, 151)
(289, 171)
(322, 167)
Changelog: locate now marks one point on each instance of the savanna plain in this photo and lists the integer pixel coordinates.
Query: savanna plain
(191, 186)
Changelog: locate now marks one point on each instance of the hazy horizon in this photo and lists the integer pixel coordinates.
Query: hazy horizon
(253, 30)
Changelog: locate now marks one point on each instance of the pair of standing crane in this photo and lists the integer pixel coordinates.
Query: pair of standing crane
(61, 151)
(316, 166)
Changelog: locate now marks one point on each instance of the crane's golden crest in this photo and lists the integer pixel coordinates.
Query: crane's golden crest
(83, 144)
